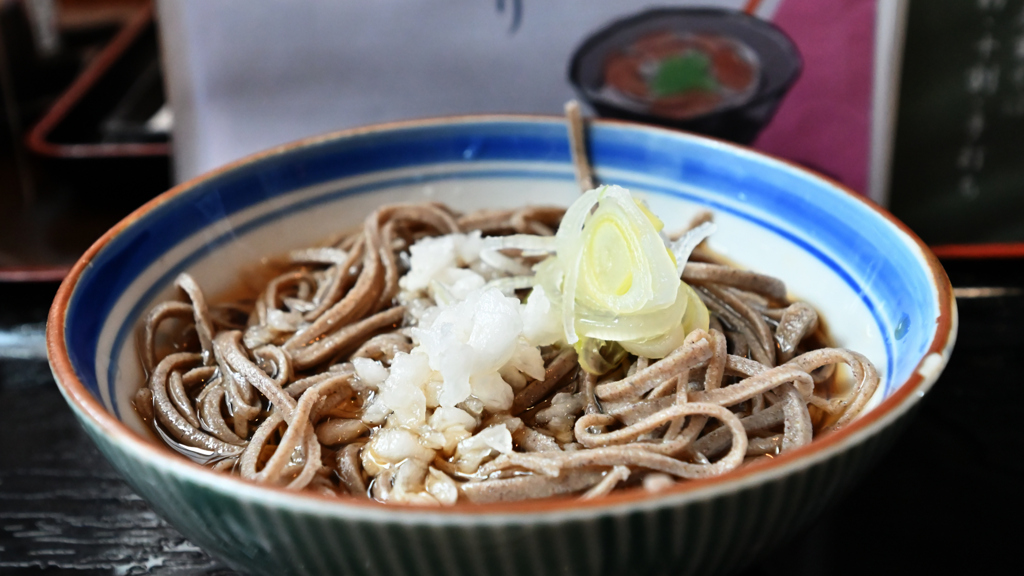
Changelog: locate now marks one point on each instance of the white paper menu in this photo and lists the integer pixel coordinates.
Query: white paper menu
(245, 75)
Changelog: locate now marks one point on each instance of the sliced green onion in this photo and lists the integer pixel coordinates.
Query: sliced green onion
(683, 247)
(599, 356)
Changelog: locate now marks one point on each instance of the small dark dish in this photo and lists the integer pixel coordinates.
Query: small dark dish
(778, 65)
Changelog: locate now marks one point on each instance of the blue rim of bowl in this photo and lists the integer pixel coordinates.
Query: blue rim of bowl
(90, 409)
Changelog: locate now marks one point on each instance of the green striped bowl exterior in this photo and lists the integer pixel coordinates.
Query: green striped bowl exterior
(703, 527)
(717, 534)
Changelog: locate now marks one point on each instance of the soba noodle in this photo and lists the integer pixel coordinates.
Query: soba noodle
(335, 378)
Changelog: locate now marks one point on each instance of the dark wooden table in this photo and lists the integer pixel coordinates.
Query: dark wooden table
(945, 500)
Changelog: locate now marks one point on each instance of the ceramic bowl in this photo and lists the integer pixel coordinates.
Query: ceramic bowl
(879, 288)
(779, 65)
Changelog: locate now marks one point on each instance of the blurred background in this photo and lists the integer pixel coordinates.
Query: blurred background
(62, 188)
(916, 104)
(108, 102)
